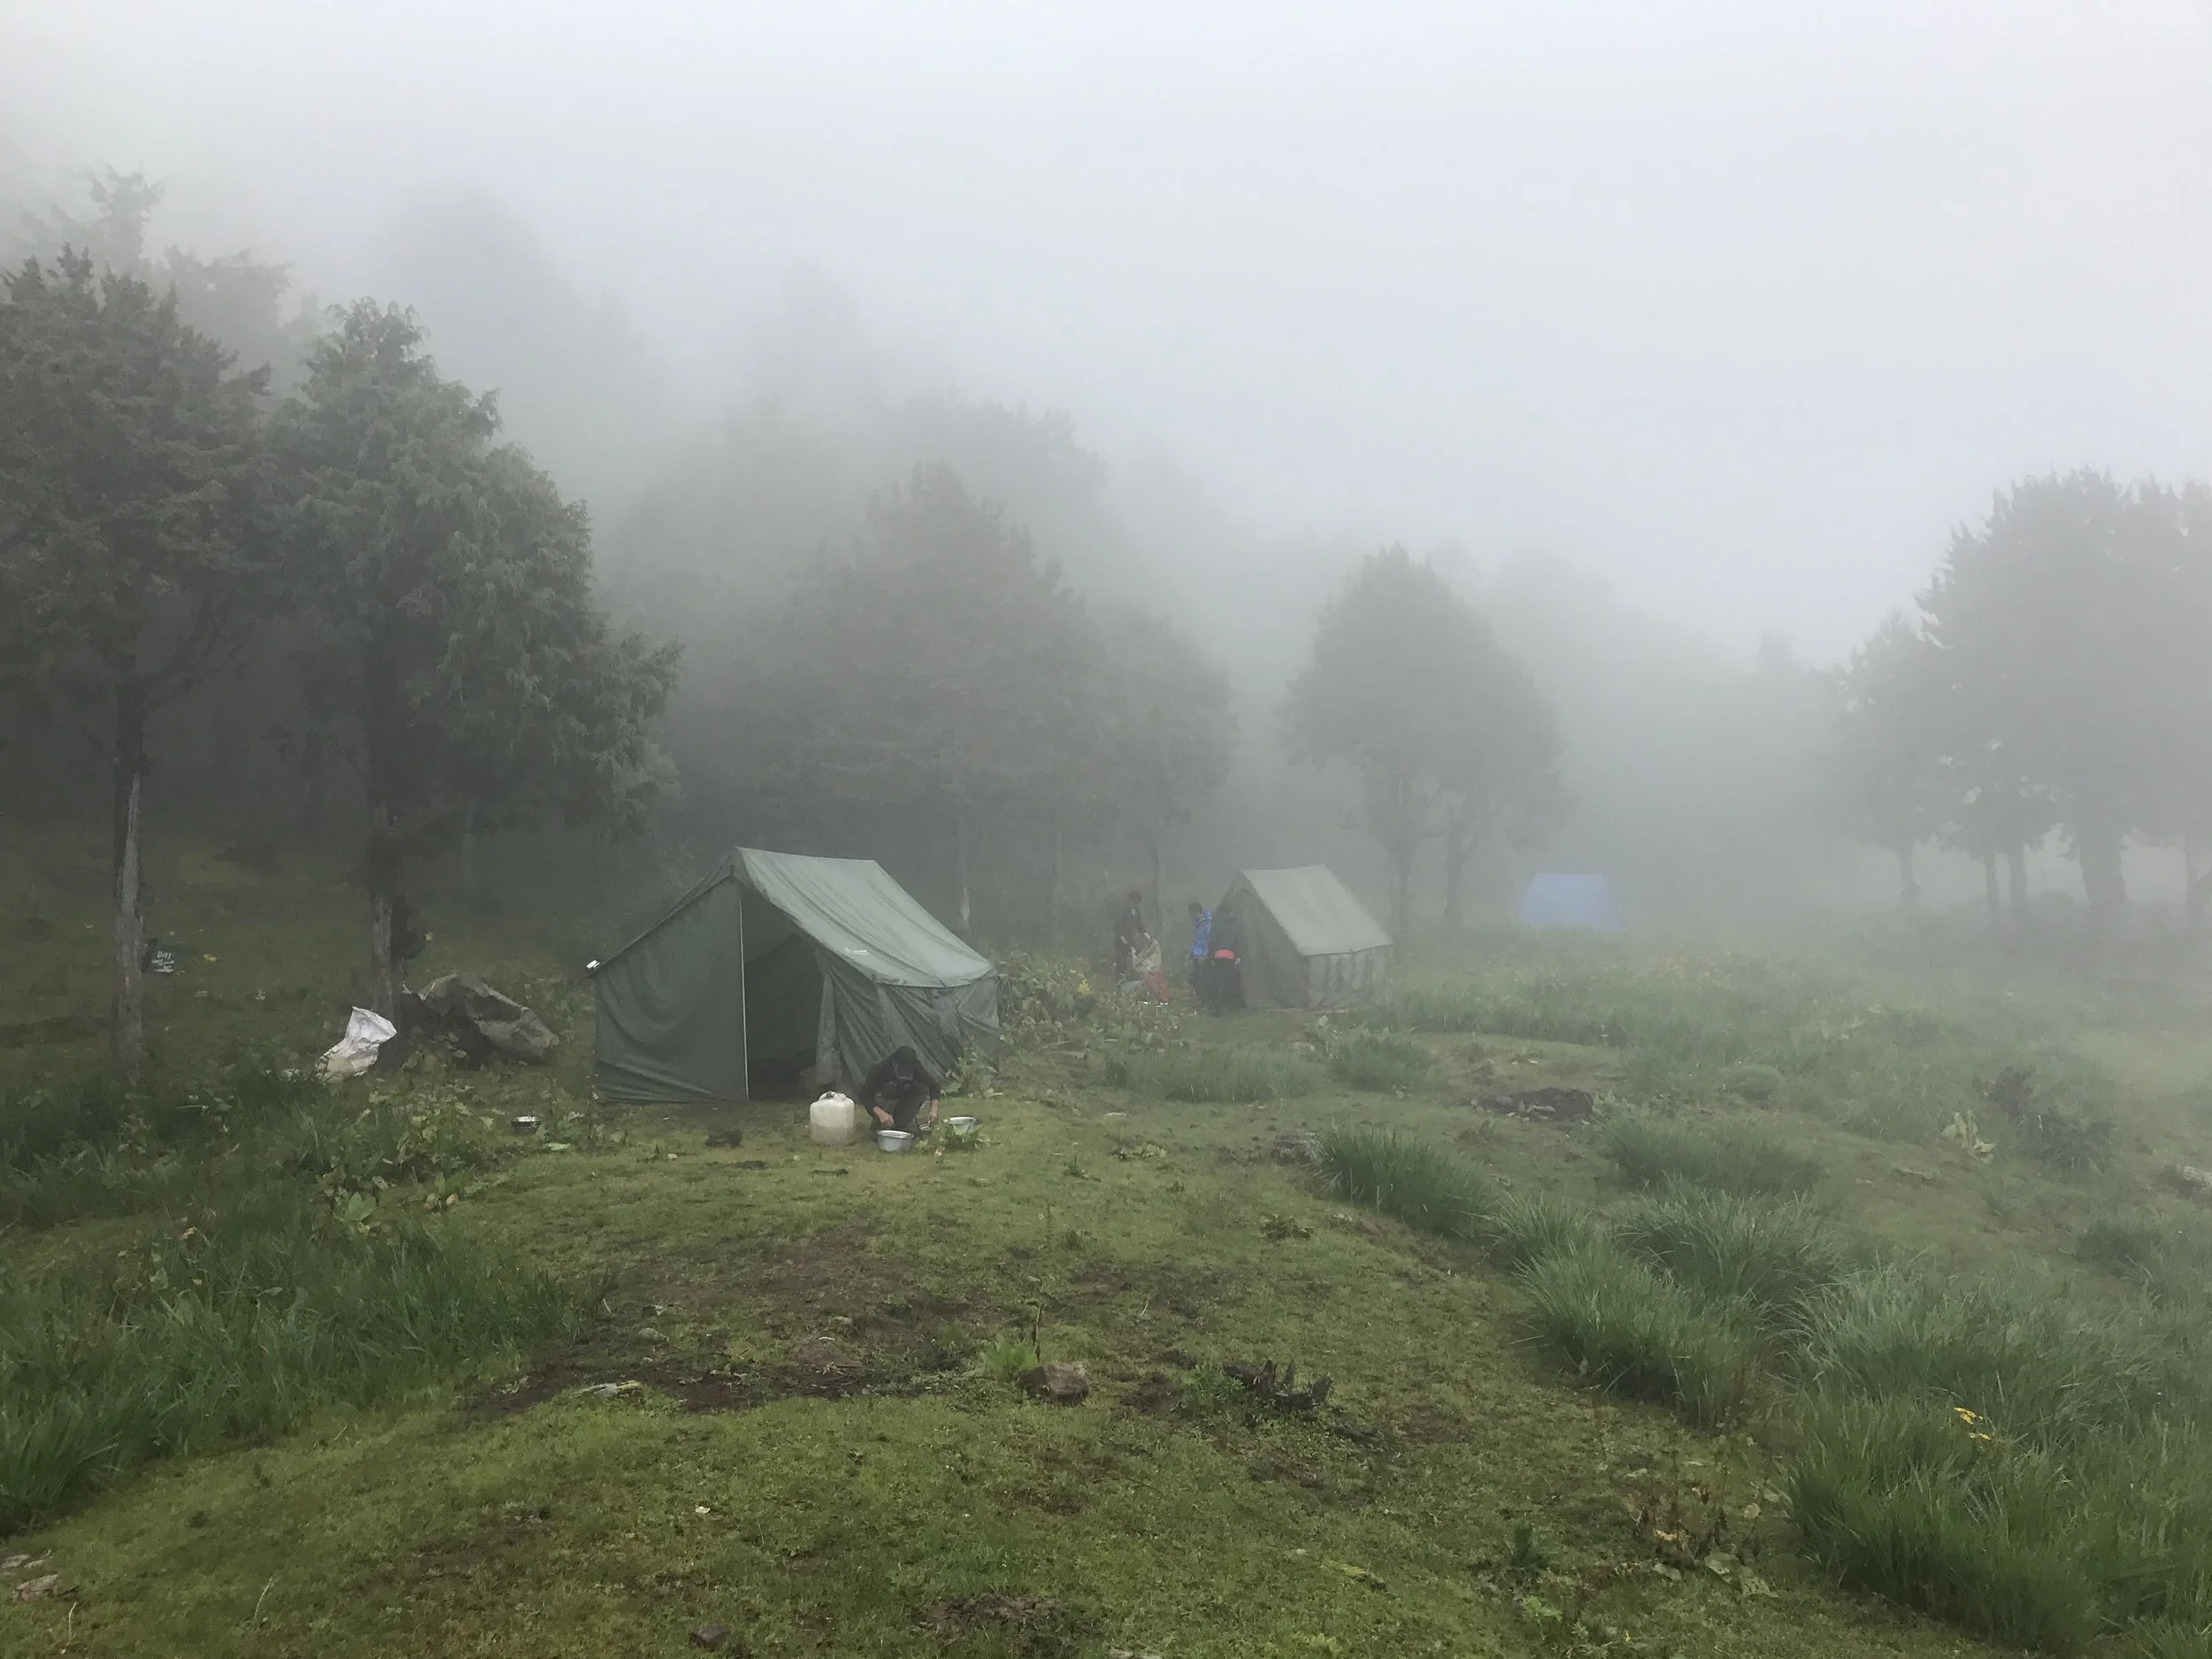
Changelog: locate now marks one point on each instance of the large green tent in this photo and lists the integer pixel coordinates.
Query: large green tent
(1307, 942)
(776, 961)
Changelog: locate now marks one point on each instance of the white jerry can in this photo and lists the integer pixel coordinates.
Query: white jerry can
(830, 1120)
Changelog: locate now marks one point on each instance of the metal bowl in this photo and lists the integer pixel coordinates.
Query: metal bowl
(893, 1140)
(960, 1125)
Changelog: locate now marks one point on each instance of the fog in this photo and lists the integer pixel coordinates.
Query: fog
(1741, 305)
(1681, 337)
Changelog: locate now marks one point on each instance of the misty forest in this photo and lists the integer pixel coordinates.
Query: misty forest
(677, 976)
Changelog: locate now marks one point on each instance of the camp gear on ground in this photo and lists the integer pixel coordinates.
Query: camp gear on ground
(1302, 940)
(960, 1125)
(775, 961)
(831, 1121)
(481, 1020)
(366, 1032)
(893, 1140)
(1586, 902)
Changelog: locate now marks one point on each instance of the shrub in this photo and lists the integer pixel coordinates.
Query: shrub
(1898, 1497)
(2070, 1142)
(2119, 1247)
(238, 1325)
(1422, 1185)
(1381, 1061)
(1649, 1153)
(1629, 1329)
(1009, 1359)
(1770, 1257)
(1247, 1075)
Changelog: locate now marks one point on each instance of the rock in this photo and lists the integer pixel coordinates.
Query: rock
(39, 1588)
(710, 1635)
(731, 1137)
(1062, 1381)
(2195, 1182)
(1545, 1105)
(1294, 1146)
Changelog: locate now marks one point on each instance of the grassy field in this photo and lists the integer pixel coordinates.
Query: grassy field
(1676, 1369)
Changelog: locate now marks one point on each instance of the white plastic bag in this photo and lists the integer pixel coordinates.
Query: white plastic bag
(366, 1032)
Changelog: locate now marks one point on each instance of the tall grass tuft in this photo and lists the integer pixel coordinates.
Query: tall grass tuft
(1633, 1330)
(1422, 1186)
(1244, 1075)
(1905, 1498)
(1435, 1011)
(1770, 1257)
(1381, 1061)
(1650, 1153)
(238, 1324)
(2055, 1373)
(1524, 1228)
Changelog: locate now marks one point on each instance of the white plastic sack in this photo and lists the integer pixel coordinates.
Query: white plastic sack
(366, 1032)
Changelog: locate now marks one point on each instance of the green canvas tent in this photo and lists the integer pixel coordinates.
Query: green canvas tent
(775, 961)
(1307, 942)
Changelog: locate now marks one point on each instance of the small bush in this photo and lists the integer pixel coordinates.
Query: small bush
(1523, 1228)
(1650, 1153)
(1422, 1185)
(2119, 1247)
(2070, 1142)
(1008, 1360)
(1770, 1257)
(1381, 1061)
(1747, 1079)
(1629, 1329)
(1243, 1075)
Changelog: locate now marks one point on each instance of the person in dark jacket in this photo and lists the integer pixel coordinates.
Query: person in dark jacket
(1225, 966)
(1131, 937)
(900, 1094)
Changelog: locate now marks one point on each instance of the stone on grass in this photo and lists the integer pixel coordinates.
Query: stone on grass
(1062, 1381)
(710, 1635)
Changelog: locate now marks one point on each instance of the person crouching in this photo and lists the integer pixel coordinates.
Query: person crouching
(900, 1094)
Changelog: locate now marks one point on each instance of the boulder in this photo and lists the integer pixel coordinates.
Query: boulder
(1062, 1382)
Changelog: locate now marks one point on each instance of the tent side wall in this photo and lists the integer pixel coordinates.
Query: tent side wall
(1351, 976)
(862, 1021)
(672, 1008)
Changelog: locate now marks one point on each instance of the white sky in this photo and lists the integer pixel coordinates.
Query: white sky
(1742, 304)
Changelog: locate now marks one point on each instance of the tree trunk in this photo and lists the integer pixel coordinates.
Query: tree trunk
(1992, 897)
(2196, 884)
(960, 869)
(1907, 888)
(1403, 851)
(468, 849)
(2103, 879)
(1159, 883)
(2016, 875)
(384, 872)
(126, 1027)
(1059, 886)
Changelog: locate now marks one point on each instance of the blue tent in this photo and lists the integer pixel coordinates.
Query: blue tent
(1584, 902)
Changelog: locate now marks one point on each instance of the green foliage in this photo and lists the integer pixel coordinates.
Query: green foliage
(1649, 1152)
(236, 1323)
(1898, 1497)
(2033, 1122)
(1415, 1009)
(1419, 1183)
(2124, 1249)
(1380, 1061)
(464, 654)
(1407, 684)
(1228, 1074)
(1522, 1227)
(1008, 1360)
(1770, 1259)
(1636, 1332)
(2058, 1373)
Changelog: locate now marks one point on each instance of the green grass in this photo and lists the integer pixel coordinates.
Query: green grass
(1522, 1228)
(1241, 1076)
(1419, 1183)
(1649, 1153)
(1770, 1257)
(1623, 1326)
(217, 1326)
(1381, 1061)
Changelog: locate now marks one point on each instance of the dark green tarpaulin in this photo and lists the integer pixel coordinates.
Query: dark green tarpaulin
(775, 959)
(1307, 942)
